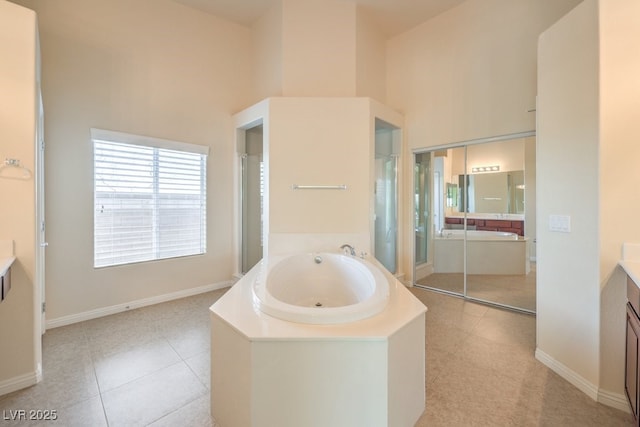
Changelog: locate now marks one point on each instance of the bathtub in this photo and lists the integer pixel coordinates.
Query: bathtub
(267, 372)
(320, 288)
(488, 252)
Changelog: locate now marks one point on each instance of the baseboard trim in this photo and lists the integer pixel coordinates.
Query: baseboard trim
(614, 400)
(118, 308)
(21, 381)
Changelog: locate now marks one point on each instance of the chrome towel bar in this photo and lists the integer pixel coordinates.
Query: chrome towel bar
(319, 187)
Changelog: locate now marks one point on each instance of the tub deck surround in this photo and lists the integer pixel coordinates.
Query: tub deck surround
(266, 371)
(497, 253)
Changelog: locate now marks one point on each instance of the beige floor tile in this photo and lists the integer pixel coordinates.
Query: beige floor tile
(194, 414)
(153, 365)
(152, 397)
(200, 364)
(189, 337)
(115, 369)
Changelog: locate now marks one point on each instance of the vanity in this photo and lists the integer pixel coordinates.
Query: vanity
(6, 261)
(631, 265)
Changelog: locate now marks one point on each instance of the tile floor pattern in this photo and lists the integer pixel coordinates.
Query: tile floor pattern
(508, 289)
(150, 367)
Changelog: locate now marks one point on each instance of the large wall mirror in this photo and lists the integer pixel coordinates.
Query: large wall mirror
(474, 209)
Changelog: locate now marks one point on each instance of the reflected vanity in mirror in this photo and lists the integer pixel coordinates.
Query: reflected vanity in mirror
(492, 192)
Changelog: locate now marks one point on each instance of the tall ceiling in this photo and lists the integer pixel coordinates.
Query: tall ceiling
(393, 16)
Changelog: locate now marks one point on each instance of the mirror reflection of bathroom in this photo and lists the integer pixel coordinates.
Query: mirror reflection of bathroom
(387, 150)
(252, 191)
(475, 221)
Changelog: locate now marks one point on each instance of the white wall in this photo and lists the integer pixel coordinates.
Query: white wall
(568, 289)
(19, 347)
(150, 67)
(466, 74)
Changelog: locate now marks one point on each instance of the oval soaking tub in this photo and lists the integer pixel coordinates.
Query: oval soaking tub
(320, 288)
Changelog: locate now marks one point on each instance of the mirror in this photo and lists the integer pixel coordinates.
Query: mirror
(474, 234)
(491, 192)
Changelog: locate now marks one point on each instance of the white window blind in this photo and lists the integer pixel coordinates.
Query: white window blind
(149, 198)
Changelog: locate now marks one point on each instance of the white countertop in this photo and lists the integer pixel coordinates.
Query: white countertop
(6, 255)
(631, 261)
(5, 263)
(490, 216)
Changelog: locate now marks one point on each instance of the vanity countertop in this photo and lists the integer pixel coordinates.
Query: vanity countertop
(5, 263)
(490, 216)
(6, 255)
(632, 268)
(631, 261)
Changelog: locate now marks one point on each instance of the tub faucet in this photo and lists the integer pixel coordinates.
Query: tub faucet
(351, 249)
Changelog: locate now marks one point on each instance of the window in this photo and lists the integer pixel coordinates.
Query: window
(149, 198)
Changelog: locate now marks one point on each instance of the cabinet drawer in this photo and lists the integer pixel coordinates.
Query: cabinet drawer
(633, 295)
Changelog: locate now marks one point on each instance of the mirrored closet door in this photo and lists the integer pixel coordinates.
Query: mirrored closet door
(475, 221)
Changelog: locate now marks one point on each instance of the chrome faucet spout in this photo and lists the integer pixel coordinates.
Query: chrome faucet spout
(350, 248)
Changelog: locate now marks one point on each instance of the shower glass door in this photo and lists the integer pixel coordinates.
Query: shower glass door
(387, 150)
(252, 190)
(386, 211)
(439, 246)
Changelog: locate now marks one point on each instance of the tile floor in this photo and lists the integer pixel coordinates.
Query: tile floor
(151, 367)
(508, 289)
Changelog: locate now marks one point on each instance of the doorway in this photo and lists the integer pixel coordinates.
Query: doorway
(474, 212)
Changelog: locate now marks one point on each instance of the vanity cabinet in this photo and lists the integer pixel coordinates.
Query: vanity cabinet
(632, 361)
(5, 284)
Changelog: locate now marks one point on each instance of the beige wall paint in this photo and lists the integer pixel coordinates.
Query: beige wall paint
(320, 141)
(370, 58)
(18, 114)
(266, 41)
(619, 173)
(469, 73)
(151, 67)
(509, 155)
(568, 288)
(318, 48)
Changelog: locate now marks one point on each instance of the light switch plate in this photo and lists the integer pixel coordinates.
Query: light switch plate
(560, 223)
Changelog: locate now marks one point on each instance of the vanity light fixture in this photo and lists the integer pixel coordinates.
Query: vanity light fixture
(477, 169)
